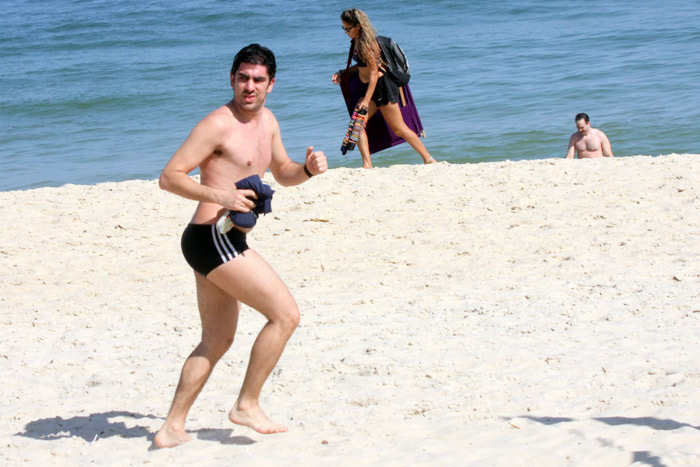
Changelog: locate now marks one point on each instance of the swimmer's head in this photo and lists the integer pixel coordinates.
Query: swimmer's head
(583, 123)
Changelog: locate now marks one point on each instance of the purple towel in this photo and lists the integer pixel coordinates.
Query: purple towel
(379, 134)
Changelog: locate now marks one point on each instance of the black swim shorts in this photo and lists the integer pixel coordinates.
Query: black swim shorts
(385, 92)
(205, 248)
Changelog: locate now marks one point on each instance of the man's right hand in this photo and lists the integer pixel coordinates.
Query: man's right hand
(239, 200)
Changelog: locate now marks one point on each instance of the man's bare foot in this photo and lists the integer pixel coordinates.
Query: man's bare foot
(255, 418)
(430, 161)
(167, 438)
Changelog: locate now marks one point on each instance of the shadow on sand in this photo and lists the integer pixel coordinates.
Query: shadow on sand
(115, 423)
(660, 424)
(643, 457)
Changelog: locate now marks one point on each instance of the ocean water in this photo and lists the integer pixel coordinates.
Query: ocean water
(96, 90)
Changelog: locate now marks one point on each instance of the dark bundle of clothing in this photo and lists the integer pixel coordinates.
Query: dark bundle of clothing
(263, 205)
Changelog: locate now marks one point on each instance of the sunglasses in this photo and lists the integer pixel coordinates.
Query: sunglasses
(347, 29)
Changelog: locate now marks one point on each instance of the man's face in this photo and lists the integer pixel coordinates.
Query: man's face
(582, 126)
(250, 84)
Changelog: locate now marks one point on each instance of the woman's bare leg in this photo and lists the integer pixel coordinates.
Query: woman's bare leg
(363, 142)
(392, 115)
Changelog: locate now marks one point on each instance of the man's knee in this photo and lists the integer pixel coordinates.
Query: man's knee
(216, 346)
(290, 318)
(294, 318)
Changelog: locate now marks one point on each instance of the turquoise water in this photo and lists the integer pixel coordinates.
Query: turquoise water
(97, 91)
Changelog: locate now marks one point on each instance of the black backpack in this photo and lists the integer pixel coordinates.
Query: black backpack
(396, 61)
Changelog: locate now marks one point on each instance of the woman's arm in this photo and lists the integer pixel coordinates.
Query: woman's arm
(371, 85)
(336, 76)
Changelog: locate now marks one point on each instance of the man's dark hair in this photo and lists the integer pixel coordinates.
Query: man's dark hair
(257, 55)
(582, 116)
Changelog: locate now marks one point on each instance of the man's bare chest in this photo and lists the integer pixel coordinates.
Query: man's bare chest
(588, 143)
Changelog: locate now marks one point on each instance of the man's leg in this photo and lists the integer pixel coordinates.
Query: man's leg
(252, 281)
(218, 312)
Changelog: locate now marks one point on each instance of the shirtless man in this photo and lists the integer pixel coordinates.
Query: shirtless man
(235, 141)
(588, 142)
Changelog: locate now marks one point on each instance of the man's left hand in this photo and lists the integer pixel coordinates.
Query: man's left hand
(315, 161)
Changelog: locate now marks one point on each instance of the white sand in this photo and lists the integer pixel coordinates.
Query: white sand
(516, 313)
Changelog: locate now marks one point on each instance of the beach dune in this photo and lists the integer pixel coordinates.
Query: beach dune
(509, 313)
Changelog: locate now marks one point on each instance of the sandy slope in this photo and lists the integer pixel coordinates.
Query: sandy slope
(506, 313)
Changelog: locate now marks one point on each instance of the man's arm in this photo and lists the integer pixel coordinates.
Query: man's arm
(200, 144)
(571, 152)
(605, 145)
(288, 172)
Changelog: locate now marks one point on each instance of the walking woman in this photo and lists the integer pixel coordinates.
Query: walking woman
(382, 93)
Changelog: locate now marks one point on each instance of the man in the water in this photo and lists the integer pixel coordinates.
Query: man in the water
(588, 142)
(238, 140)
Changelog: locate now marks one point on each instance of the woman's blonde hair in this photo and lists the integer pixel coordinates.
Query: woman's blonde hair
(366, 43)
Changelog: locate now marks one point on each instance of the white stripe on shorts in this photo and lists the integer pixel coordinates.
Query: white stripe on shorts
(226, 251)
